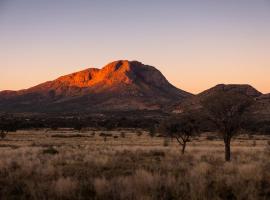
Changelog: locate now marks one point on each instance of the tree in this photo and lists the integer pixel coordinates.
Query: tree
(110, 125)
(182, 128)
(226, 111)
(78, 124)
(7, 124)
(152, 130)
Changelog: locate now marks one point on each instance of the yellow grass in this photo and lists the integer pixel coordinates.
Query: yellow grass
(69, 165)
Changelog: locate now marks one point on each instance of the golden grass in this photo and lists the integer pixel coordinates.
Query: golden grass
(44, 165)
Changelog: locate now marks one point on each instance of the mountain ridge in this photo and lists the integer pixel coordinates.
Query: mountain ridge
(118, 85)
(194, 102)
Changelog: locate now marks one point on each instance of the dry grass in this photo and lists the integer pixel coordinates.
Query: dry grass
(38, 165)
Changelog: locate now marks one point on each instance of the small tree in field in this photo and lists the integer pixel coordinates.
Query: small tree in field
(78, 125)
(7, 124)
(182, 128)
(111, 125)
(226, 110)
(152, 130)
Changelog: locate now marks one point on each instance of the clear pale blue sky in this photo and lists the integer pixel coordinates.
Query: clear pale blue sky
(195, 43)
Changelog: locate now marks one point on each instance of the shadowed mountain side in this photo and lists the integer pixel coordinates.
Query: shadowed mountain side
(263, 105)
(257, 116)
(194, 102)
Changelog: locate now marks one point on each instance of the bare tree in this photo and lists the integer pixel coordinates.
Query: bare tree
(111, 125)
(152, 130)
(3, 133)
(78, 124)
(226, 111)
(7, 124)
(182, 128)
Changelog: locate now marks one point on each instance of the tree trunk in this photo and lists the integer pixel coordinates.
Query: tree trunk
(183, 148)
(227, 149)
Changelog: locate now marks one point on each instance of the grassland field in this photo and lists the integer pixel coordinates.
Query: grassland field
(130, 164)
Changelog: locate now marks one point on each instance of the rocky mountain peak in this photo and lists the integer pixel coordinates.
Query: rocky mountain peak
(120, 85)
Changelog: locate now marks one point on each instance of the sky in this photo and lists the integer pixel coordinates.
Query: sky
(196, 44)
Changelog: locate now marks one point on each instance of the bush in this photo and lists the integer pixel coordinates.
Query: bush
(166, 142)
(139, 133)
(50, 150)
(123, 135)
(8, 124)
(105, 135)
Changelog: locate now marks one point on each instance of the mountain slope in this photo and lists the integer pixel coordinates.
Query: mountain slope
(263, 105)
(120, 85)
(194, 102)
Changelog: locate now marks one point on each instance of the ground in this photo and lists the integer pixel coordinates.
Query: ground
(129, 164)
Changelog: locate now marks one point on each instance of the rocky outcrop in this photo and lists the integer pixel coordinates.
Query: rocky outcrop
(120, 85)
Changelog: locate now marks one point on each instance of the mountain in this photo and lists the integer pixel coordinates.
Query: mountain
(194, 102)
(263, 105)
(258, 117)
(265, 97)
(119, 86)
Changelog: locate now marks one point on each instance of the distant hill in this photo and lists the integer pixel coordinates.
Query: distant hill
(263, 105)
(119, 86)
(194, 102)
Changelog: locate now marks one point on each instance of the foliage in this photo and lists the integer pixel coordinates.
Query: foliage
(110, 125)
(78, 124)
(181, 127)
(7, 124)
(50, 150)
(153, 130)
(226, 111)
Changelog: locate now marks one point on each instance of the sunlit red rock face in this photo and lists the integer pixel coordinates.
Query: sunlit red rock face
(120, 85)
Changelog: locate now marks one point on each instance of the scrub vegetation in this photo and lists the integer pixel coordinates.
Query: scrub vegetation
(46, 164)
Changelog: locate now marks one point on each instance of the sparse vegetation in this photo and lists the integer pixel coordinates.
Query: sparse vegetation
(182, 128)
(139, 133)
(226, 110)
(123, 135)
(68, 135)
(153, 130)
(111, 162)
(7, 124)
(78, 125)
(166, 142)
(131, 168)
(50, 150)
